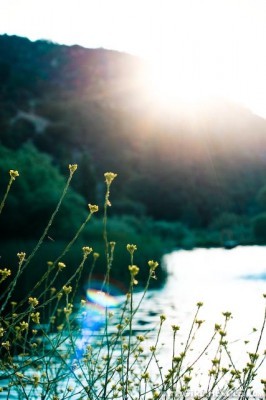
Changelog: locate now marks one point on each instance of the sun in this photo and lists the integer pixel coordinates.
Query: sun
(205, 49)
(171, 82)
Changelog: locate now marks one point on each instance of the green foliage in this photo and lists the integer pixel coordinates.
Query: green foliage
(259, 227)
(33, 197)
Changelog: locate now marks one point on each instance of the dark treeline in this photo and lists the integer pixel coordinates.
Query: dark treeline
(201, 170)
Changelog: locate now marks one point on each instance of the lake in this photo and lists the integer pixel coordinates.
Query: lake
(224, 280)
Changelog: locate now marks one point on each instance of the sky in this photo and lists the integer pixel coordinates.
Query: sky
(196, 48)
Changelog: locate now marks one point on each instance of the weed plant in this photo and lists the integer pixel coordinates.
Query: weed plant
(52, 348)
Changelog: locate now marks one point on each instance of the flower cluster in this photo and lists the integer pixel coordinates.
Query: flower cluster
(13, 174)
(93, 208)
(109, 177)
(86, 250)
(33, 301)
(61, 265)
(4, 273)
(21, 256)
(72, 168)
(131, 248)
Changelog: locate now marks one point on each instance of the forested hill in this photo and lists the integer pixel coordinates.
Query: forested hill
(92, 106)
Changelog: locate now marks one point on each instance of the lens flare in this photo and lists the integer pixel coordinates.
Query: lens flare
(101, 298)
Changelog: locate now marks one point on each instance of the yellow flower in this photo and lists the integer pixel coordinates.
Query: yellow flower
(67, 289)
(35, 317)
(61, 265)
(33, 301)
(112, 245)
(109, 177)
(131, 248)
(87, 250)
(72, 168)
(5, 273)
(153, 265)
(13, 174)
(24, 325)
(93, 208)
(21, 256)
(6, 344)
(134, 270)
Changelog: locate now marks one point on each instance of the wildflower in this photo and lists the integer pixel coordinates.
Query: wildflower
(199, 322)
(61, 265)
(21, 256)
(225, 370)
(199, 304)
(175, 328)
(145, 376)
(96, 255)
(134, 270)
(131, 248)
(6, 345)
(222, 333)
(24, 326)
(13, 174)
(140, 338)
(253, 356)
(72, 168)
(36, 380)
(162, 318)
(86, 250)
(93, 208)
(67, 289)
(33, 301)
(83, 302)
(68, 309)
(227, 315)
(109, 177)
(112, 245)
(153, 265)
(4, 273)
(52, 319)
(217, 327)
(35, 317)
(50, 263)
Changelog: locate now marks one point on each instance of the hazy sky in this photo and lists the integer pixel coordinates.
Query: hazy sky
(198, 47)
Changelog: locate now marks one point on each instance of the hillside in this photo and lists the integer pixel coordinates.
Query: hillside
(92, 107)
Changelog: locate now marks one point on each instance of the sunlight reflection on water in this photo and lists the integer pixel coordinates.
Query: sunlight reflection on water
(224, 280)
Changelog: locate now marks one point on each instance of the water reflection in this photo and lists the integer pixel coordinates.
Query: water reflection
(223, 280)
